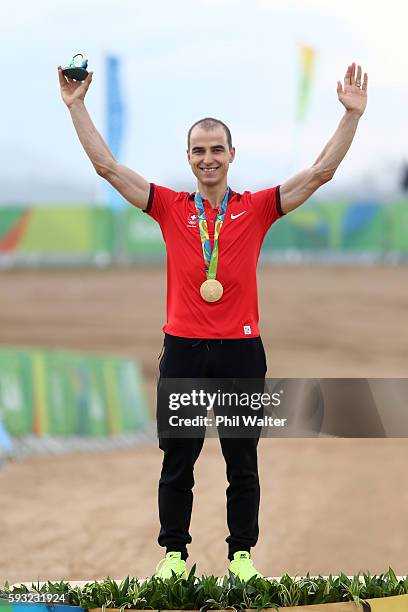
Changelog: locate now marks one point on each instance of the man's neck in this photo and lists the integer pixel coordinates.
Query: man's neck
(214, 194)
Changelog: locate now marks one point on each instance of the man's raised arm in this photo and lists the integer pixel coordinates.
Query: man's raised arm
(130, 185)
(300, 187)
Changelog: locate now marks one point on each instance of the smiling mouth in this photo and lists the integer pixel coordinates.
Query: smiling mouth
(209, 170)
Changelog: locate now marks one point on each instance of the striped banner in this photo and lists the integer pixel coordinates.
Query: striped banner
(61, 394)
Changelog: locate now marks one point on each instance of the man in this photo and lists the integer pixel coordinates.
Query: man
(212, 310)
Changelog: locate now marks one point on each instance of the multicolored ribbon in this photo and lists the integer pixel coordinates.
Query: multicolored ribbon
(210, 256)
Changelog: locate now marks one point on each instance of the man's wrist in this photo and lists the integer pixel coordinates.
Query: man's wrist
(77, 103)
(352, 113)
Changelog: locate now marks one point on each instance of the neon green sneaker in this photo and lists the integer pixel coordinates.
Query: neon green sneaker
(242, 566)
(172, 562)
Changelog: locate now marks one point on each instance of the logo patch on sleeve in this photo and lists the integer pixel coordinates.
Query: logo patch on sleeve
(247, 330)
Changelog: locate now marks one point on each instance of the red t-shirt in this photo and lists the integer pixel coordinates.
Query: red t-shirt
(248, 217)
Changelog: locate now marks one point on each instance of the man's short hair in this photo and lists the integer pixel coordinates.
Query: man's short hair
(209, 123)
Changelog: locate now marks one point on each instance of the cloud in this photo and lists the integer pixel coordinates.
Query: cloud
(190, 58)
(378, 29)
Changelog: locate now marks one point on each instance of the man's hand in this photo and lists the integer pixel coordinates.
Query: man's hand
(354, 95)
(130, 185)
(73, 90)
(300, 187)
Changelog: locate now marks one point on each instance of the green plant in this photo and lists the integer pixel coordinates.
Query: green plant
(229, 593)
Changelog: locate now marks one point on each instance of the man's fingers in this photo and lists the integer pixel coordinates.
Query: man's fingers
(61, 77)
(339, 88)
(365, 82)
(87, 81)
(347, 77)
(352, 74)
(358, 79)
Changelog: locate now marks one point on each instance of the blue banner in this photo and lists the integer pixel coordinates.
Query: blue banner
(115, 120)
(6, 606)
(6, 443)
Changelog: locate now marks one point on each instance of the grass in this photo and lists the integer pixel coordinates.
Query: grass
(211, 593)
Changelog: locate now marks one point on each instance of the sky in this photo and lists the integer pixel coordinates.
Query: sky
(185, 59)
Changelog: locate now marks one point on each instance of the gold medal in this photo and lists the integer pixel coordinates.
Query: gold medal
(211, 290)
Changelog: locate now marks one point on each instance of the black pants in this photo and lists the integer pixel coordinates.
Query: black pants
(192, 358)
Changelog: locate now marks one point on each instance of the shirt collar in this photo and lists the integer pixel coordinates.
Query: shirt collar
(231, 193)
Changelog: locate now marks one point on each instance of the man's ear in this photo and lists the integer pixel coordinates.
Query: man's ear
(232, 154)
(188, 155)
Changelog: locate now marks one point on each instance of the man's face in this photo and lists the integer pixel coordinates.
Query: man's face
(209, 155)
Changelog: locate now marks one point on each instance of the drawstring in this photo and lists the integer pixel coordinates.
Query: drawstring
(192, 346)
(199, 342)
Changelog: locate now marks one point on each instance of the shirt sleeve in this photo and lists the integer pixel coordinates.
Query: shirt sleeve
(159, 202)
(268, 206)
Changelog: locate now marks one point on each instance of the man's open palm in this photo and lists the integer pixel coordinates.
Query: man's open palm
(354, 94)
(73, 90)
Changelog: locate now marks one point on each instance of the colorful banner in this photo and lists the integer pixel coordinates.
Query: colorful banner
(365, 227)
(56, 231)
(16, 391)
(58, 393)
(86, 235)
(6, 443)
(397, 230)
(142, 237)
(6, 606)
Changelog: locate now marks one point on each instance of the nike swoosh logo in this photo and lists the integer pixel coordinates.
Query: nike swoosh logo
(238, 215)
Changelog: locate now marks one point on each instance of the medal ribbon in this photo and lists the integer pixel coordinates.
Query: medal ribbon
(210, 257)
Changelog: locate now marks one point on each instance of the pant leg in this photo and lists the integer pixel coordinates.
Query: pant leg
(243, 493)
(182, 358)
(175, 491)
(242, 359)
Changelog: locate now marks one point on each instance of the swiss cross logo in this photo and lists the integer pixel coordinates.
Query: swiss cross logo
(192, 220)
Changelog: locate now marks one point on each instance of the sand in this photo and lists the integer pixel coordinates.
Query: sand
(327, 505)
